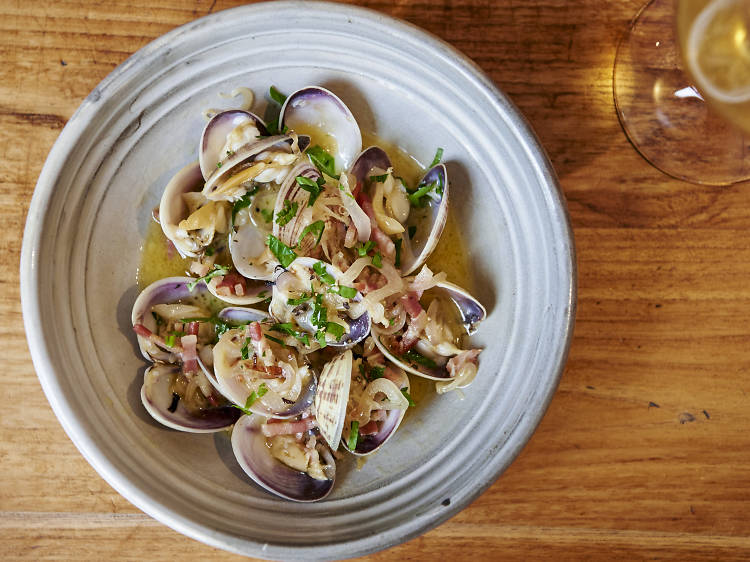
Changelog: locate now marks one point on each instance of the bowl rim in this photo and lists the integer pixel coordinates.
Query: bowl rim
(32, 313)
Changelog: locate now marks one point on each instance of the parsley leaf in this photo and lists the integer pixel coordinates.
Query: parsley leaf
(323, 160)
(344, 291)
(336, 330)
(353, 436)
(276, 96)
(365, 248)
(406, 395)
(218, 270)
(277, 340)
(376, 373)
(302, 298)
(438, 157)
(267, 214)
(320, 270)
(287, 213)
(417, 198)
(376, 260)
(313, 187)
(316, 229)
(398, 251)
(379, 179)
(254, 395)
(244, 351)
(283, 253)
(244, 201)
(288, 328)
(417, 358)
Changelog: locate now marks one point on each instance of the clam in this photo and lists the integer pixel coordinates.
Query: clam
(224, 288)
(292, 193)
(170, 409)
(319, 113)
(429, 359)
(295, 283)
(224, 134)
(174, 212)
(420, 228)
(283, 389)
(170, 290)
(392, 409)
(255, 454)
(332, 396)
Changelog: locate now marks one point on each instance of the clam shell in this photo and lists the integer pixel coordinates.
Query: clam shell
(252, 453)
(214, 136)
(332, 397)
(321, 114)
(291, 191)
(368, 159)
(472, 313)
(417, 250)
(246, 245)
(172, 207)
(368, 444)
(163, 291)
(157, 399)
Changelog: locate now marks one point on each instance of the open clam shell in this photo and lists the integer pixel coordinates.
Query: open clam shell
(332, 397)
(247, 245)
(369, 159)
(173, 209)
(253, 455)
(472, 313)
(293, 192)
(291, 280)
(368, 444)
(253, 292)
(163, 291)
(233, 384)
(227, 131)
(321, 114)
(428, 221)
(168, 409)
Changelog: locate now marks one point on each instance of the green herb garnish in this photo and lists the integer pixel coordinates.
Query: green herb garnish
(254, 395)
(323, 160)
(304, 297)
(313, 187)
(209, 251)
(320, 270)
(363, 250)
(288, 328)
(316, 229)
(287, 213)
(170, 340)
(379, 179)
(398, 251)
(267, 214)
(344, 291)
(277, 340)
(406, 395)
(218, 270)
(244, 201)
(336, 330)
(376, 373)
(353, 436)
(319, 316)
(244, 350)
(218, 164)
(283, 253)
(438, 158)
(376, 260)
(273, 127)
(276, 96)
(417, 198)
(419, 359)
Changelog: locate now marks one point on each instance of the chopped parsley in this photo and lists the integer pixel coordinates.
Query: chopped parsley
(417, 358)
(438, 157)
(316, 229)
(379, 179)
(283, 253)
(288, 328)
(313, 187)
(244, 201)
(209, 251)
(304, 297)
(254, 395)
(267, 214)
(320, 270)
(417, 199)
(406, 395)
(244, 350)
(218, 270)
(170, 340)
(363, 250)
(376, 373)
(353, 435)
(218, 164)
(336, 330)
(273, 127)
(376, 260)
(398, 251)
(276, 96)
(344, 291)
(323, 161)
(287, 213)
(277, 340)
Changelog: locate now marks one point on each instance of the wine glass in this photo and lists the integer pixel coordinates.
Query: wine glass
(688, 124)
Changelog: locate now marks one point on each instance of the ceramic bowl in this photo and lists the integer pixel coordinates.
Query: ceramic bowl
(91, 210)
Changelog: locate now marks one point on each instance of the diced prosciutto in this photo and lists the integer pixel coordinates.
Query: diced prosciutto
(370, 428)
(230, 282)
(144, 332)
(283, 427)
(410, 302)
(256, 334)
(384, 242)
(189, 353)
(193, 327)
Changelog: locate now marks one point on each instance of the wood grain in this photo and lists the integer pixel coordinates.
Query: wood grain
(645, 449)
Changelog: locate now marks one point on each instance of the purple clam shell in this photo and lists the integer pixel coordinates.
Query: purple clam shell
(249, 446)
(368, 443)
(238, 315)
(373, 157)
(214, 136)
(157, 399)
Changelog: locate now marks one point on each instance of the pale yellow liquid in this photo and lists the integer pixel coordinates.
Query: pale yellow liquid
(738, 43)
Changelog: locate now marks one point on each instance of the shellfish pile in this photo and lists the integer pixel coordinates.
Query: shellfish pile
(315, 251)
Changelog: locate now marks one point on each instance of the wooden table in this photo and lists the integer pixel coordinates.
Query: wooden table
(645, 449)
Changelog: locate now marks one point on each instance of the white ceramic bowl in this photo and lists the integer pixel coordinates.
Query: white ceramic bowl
(89, 216)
